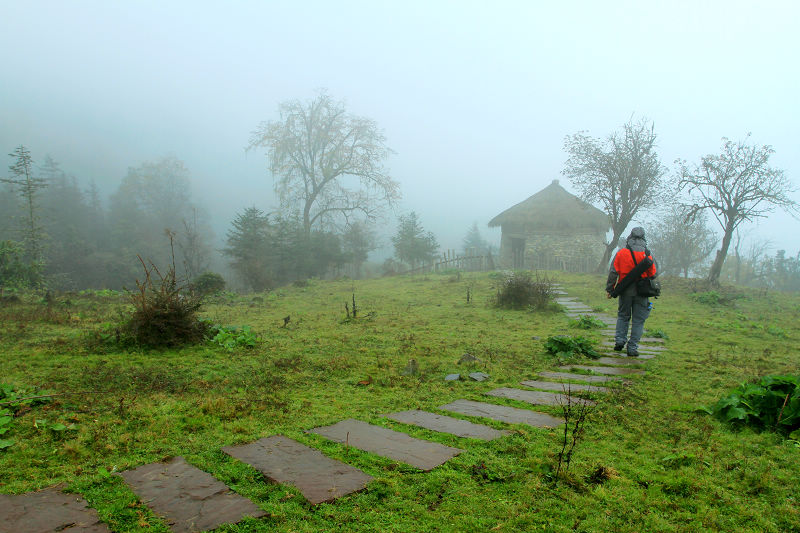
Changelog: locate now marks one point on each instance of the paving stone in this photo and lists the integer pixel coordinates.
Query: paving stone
(581, 377)
(503, 413)
(479, 376)
(607, 370)
(452, 377)
(652, 339)
(422, 454)
(447, 424)
(618, 361)
(47, 511)
(317, 477)
(534, 397)
(643, 356)
(649, 348)
(188, 498)
(562, 387)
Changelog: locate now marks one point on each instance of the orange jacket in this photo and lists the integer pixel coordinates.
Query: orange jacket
(623, 263)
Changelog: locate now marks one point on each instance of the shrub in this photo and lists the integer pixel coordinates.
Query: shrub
(231, 337)
(519, 290)
(773, 402)
(208, 283)
(165, 312)
(566, 346)
(586, 322)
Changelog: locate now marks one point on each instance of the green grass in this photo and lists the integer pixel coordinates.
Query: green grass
(677, 470)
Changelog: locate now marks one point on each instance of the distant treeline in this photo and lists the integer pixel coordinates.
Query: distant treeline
(56, 232)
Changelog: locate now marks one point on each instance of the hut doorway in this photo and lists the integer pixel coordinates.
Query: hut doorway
(518, 253)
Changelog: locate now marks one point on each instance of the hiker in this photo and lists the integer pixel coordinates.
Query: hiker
(631, 304)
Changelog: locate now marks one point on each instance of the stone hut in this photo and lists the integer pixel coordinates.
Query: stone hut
(552, 230)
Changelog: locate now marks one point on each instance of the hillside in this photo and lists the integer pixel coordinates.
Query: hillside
(667, 467)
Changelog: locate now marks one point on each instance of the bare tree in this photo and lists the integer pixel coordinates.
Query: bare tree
(326, 162)
(681, 243)
(192, 244)
(622, 172)
(736, 185)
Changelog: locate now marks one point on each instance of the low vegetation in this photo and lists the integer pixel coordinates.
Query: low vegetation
(771, 403)
(647, 458)
(524, 290)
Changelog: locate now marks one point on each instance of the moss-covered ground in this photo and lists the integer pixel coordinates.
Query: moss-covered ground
(673, 469)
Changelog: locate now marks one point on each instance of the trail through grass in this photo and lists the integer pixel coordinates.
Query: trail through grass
(674, 469)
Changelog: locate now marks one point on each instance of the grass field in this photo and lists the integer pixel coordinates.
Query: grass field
(673, 469)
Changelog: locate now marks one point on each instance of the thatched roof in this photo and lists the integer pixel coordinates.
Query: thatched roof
(553, 208)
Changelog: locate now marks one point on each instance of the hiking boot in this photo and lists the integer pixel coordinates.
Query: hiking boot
(618, 347)
(633, 353)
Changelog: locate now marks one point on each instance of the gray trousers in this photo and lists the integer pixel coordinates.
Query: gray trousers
(632, 308)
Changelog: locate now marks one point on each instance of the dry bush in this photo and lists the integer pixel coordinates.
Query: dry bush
(521, 290)
(166, 311)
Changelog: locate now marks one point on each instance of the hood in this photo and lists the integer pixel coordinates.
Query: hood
(636, 240)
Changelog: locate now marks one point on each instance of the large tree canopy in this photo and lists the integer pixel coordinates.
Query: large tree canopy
(680, 243)
(327, 164)
(736, 185)
(622, 172)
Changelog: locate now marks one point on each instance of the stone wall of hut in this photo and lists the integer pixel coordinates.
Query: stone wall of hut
(572, 252)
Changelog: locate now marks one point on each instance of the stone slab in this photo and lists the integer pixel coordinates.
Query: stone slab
(652, 339)
(47, 511)
(649, 348)
(422, 454)
(534, 397)
(502, 413)
(188, 498)
(621, 361)
(642, 355)
(283, 460)
(479, 376)
(562, 387)
(447, 424)
(607, 370)
(580, 377)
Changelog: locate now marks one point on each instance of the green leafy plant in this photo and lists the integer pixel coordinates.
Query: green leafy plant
(586, 322)
(773, 402)
(230, 337)
(566, 346)
(11, 399)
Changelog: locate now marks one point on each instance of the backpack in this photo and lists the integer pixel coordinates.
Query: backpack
(647, 287)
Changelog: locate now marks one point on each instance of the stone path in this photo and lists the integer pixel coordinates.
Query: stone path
(578, 377)
(535, 397)
(188, 498)
(46, 511)
(317, 477)
(563, 387)
(423, 454)
(502, 413)
(192, 500)
(447, 424)
(605, 370)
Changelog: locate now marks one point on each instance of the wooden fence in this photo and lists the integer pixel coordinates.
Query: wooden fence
(449, 260)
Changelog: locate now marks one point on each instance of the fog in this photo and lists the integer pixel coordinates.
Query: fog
(475, 98)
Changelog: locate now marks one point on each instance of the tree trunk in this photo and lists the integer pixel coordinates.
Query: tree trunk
(719, 260)
(603, 266)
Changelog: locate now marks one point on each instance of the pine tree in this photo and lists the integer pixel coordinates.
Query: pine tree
(27, 186)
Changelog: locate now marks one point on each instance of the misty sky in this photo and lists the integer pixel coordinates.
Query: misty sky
(474, 97)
